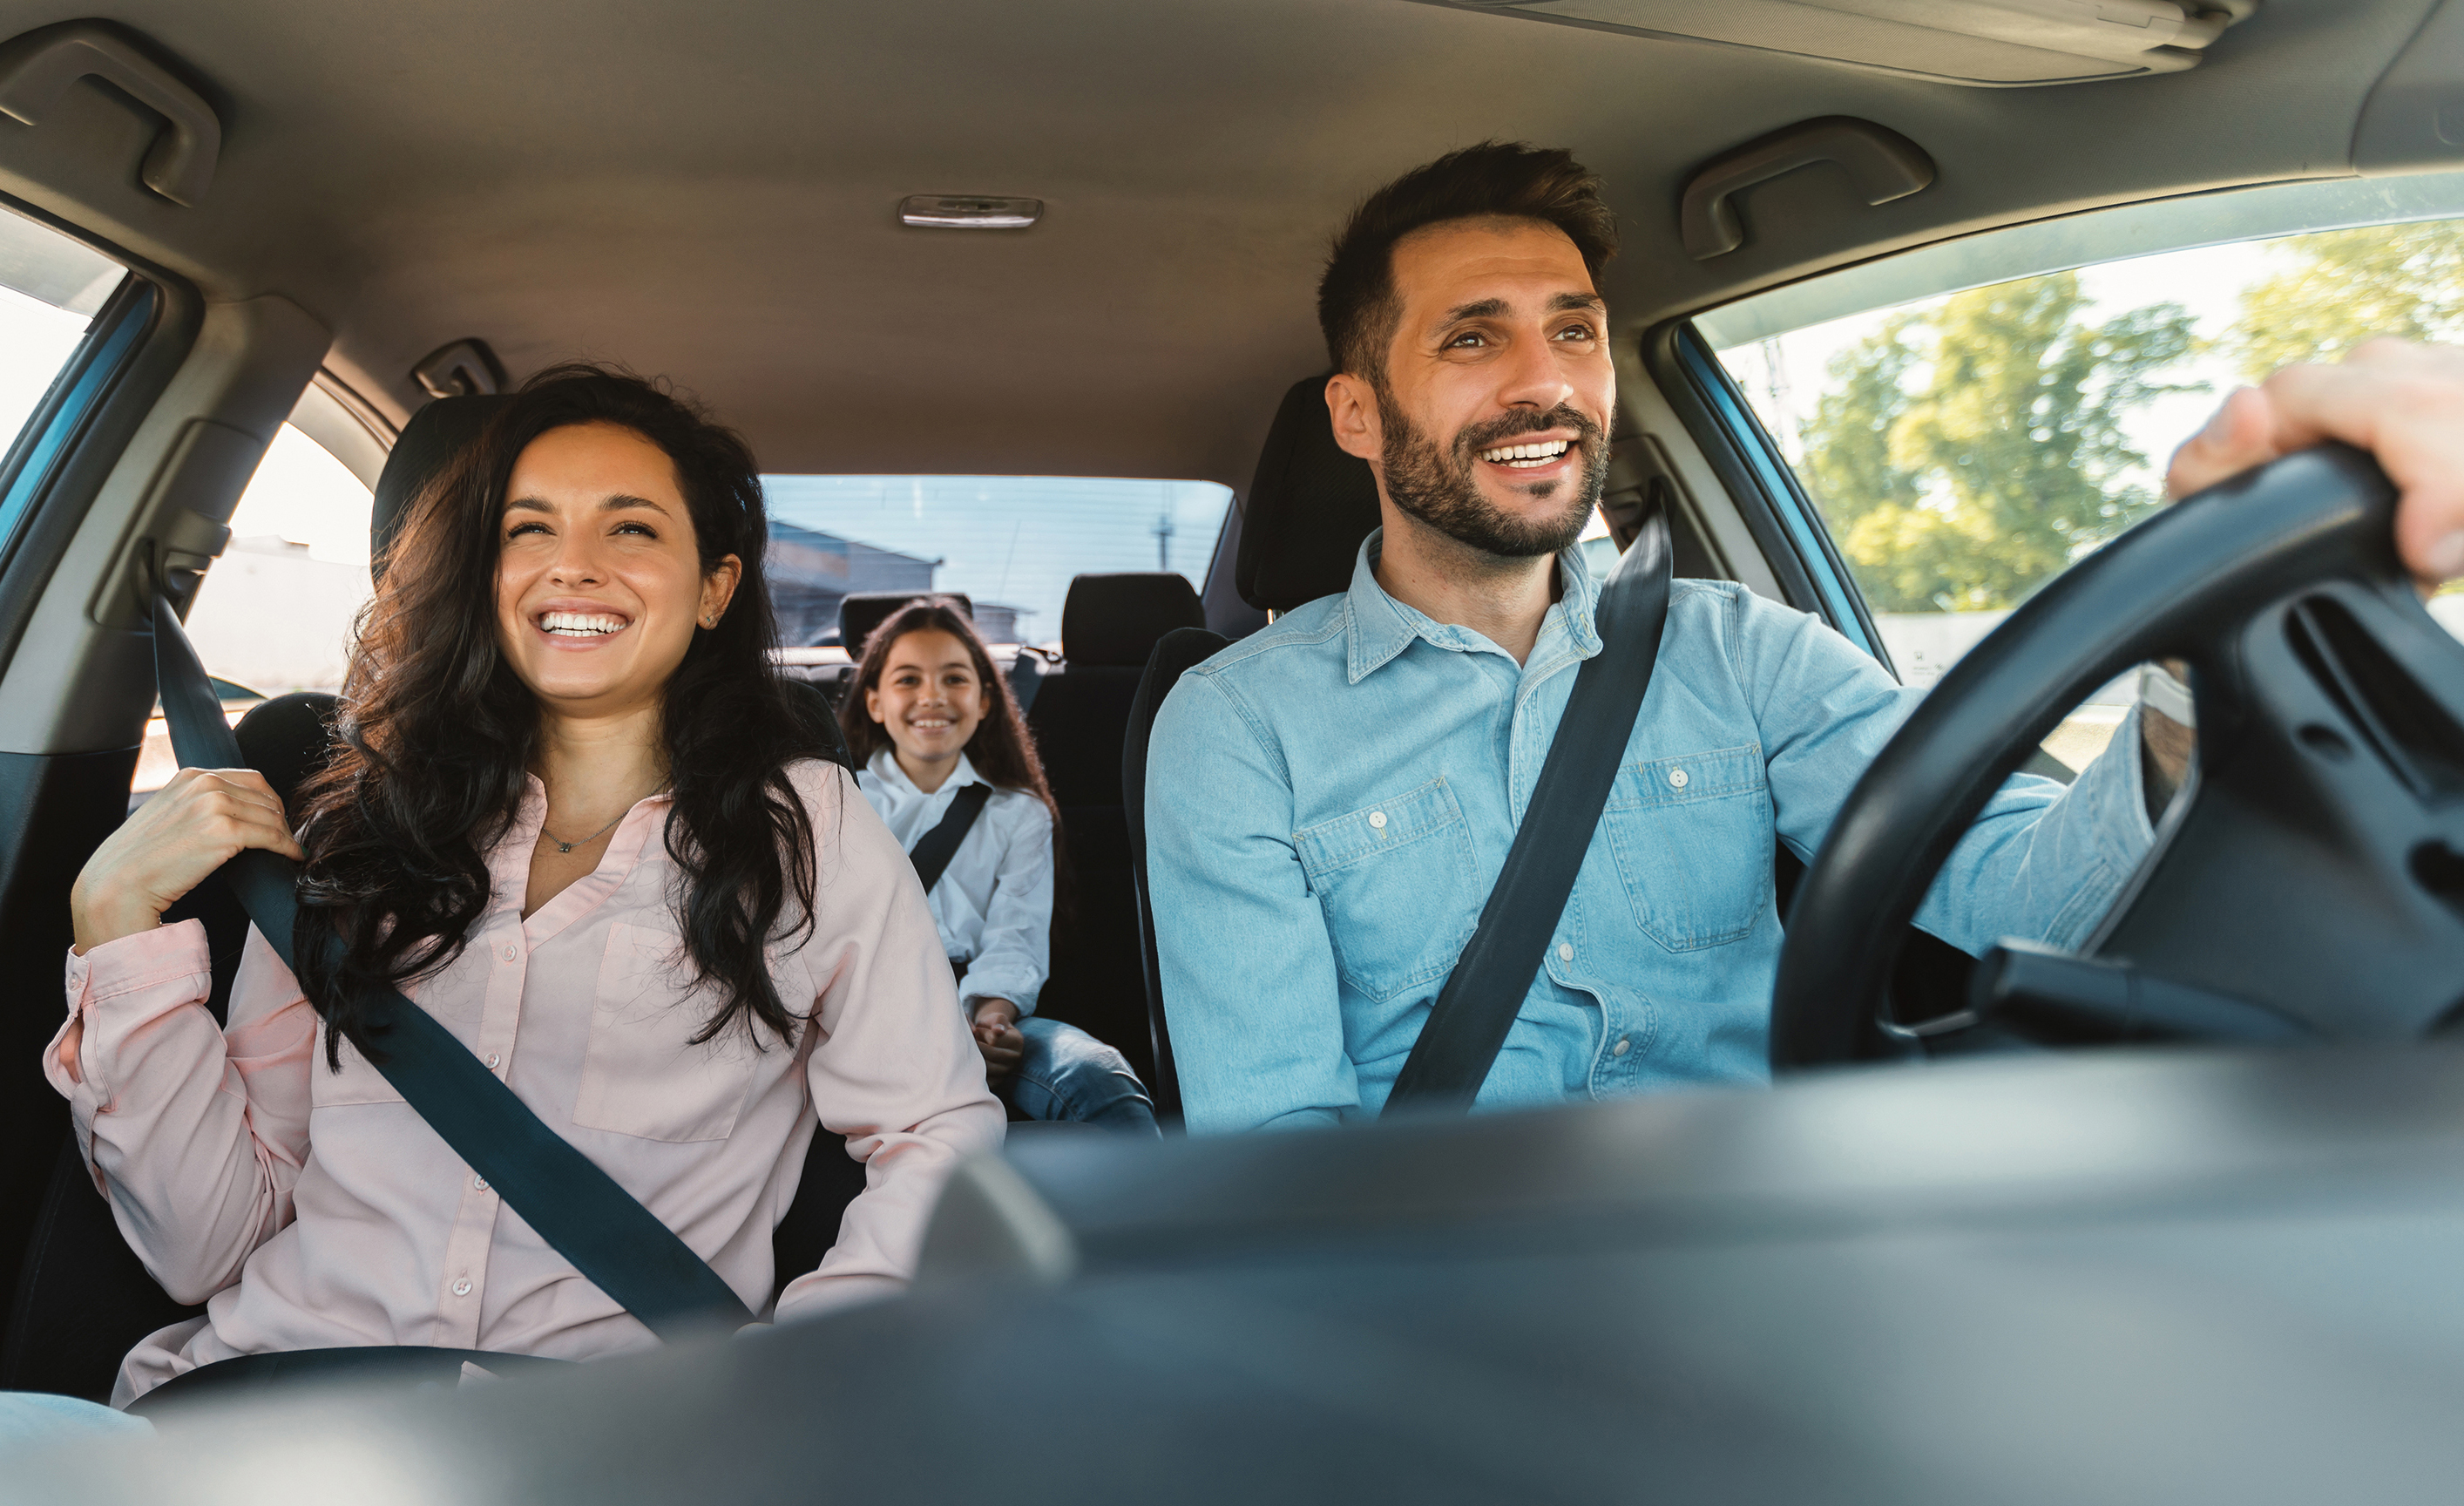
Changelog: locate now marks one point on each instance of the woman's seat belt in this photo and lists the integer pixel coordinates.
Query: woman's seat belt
(581, 1211)
(1469, 1024)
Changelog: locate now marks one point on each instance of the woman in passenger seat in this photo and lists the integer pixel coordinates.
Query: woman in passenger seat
(927, 718)
(574, 815)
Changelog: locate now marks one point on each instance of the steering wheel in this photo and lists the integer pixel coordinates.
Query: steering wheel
(2308, 881)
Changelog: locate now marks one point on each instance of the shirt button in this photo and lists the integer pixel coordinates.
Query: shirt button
(1677, 779)
(1625, 1044)
(493, 1059)
(1565, 951)
(510, 952)
(479, 1183)
(1377, 819)
(462, 1288)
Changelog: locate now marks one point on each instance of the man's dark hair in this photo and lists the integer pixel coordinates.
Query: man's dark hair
(1357, 306)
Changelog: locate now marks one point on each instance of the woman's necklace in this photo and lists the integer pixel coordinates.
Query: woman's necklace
(567, 847)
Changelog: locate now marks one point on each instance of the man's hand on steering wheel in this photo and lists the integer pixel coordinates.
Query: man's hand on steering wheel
(2402, 402)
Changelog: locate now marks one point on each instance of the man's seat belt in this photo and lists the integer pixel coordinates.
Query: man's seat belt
(1469, 1024)
(574, 1204)
(933, 850)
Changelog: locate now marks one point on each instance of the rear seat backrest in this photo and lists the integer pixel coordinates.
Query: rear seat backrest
(1080, 719)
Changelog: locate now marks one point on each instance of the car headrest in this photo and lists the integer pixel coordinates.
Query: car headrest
(862, 611)
(1310, 505)
(431, 439)
(1116, 619)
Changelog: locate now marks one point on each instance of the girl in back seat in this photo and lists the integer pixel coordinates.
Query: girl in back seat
(575, 815)
(929, 721)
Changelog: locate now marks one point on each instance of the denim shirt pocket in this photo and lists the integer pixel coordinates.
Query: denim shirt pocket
(1397, 884)
(1692, 837)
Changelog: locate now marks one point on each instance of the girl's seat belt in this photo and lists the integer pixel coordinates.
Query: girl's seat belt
(581, 1211)
(933, 850)
(1469, 1024)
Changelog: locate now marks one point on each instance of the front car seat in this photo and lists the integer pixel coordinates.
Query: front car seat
(1080, 719)
(1310, 506)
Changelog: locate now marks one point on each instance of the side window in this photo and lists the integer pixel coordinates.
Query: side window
(1966, 445)
(276, 612)
(50, 288)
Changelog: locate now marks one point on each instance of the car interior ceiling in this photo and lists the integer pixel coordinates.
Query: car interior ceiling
(709, 196)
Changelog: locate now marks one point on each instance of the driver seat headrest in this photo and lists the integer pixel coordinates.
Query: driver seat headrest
(426, 444)
(1308, 507)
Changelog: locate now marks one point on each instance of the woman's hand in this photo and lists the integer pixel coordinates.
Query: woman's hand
(194, 826)
(2403, 403)
(998, 1037)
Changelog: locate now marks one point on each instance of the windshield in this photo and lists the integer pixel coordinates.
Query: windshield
(1010, 544)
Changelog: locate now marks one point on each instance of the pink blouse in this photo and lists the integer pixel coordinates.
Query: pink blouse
(310, 1208)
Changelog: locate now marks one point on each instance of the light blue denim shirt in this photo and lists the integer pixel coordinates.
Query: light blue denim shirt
(1330, 798)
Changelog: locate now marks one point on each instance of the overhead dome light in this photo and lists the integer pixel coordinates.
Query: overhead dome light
(938, 212)
(1992, 43)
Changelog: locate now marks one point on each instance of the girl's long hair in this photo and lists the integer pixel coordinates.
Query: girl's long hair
(1003, 750)
(436, 734)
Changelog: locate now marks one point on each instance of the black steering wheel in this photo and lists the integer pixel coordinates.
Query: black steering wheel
(2308, 883)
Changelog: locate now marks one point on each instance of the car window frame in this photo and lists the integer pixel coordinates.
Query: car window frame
(57, 463)
(1785, 523)
(1761, 484)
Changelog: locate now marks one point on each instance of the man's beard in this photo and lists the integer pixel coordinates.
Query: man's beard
(1442, 490)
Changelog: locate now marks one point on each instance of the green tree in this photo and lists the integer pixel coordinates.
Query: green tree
(2345, 286)
(1966, 453)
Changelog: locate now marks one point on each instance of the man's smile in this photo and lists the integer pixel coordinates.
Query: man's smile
(1528, 457)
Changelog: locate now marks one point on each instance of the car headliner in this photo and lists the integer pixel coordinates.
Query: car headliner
(708, 191)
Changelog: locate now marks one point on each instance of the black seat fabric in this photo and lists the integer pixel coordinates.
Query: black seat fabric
(1081, 718)
(862, 611)
(1310, 505)
(1181, 649)
(1116, 620)
(433, 437)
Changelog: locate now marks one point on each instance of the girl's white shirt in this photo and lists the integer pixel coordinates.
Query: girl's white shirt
(994, 902)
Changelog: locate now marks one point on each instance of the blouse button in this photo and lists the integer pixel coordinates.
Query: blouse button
(510, 953)
(479, 1183)
(1677, 779)
(1378, 820)
(462, 1288)
(493, 1059)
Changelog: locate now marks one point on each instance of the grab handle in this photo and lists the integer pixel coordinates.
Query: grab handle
(1881, 163)
(37, 68)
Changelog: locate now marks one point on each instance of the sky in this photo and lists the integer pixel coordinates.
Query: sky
(36, 340)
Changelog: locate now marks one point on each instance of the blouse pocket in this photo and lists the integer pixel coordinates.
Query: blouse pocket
(1692, 837)
(358, 1082)
(1398, 883)
(641, 1074)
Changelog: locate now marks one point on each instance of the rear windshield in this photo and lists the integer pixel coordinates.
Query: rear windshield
(1010, 544)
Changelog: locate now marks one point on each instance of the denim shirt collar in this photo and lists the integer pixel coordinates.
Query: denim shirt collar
(1381, 628)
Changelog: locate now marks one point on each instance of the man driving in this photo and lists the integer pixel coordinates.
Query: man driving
(1334, 796)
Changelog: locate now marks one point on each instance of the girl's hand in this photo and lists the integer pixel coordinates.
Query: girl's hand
(998, 1037)
(194, 826)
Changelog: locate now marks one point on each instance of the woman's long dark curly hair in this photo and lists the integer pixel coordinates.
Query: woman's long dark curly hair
(436, 734)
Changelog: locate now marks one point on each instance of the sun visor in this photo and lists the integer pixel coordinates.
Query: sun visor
(1983, 42)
